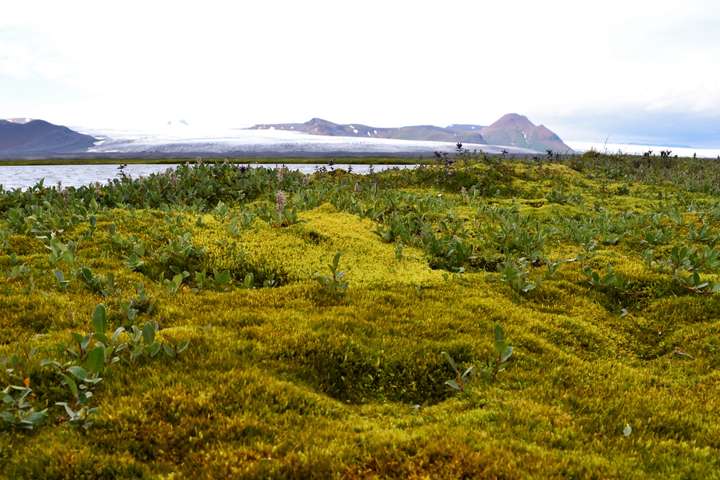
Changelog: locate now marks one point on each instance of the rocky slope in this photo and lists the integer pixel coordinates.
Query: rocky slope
(517, 131)
(38, 137)
(318, 126)
(511, 130)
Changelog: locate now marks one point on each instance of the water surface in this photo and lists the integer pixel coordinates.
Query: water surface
(25, 176)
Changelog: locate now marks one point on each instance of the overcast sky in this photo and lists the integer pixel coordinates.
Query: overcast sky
(640, 70)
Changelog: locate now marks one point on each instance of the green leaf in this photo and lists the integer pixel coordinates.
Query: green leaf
(154, 348)
(71, 385)
(86, 273)
(451, 362)
(336, 262)
(117, 333)
(79, 372)
(506, 354)
(50, 363)
(85, 342)
(96, 360)
(136, 352)
(70, 412)
(60, 277)
(36, 418)
(92, 381)
(183, 346)
(500, 344)
(148, 332)
(454, 385)
(168, 350)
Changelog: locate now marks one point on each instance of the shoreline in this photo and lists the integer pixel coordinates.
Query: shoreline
(345, 160)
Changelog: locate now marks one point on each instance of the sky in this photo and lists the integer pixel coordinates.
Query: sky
(628, 71)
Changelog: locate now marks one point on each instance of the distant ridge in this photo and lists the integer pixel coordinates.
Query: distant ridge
(318, 126)
(38, 137)
(513, 133)
(511, 130)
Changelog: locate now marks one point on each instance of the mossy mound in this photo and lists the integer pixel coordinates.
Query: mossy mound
(602, 276)
(302, 251)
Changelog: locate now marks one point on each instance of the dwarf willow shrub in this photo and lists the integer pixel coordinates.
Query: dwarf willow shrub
(334, 285)
(519, 235)
(17, 411)
(179, 255)
(60, 252)
(103, 285)
(516, 274)
(483, 178)
(493, 365)
(141, 303)
(43, 209)
(446, 251)
(692, 175)
(78, 373)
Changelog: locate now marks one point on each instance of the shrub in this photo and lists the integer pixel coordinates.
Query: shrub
(334, 285)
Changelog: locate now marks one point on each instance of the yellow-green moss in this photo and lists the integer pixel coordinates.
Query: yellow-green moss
(303, 250)
(282, 383)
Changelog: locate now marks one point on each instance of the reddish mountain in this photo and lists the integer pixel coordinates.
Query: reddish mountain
(517, 131)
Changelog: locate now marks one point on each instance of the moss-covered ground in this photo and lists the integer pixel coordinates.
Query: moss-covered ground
(602, 272)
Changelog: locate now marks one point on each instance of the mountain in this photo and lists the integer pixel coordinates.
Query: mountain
(511, 130)
(38, 137)
(318, 126)
(517, 131)
(512, 133)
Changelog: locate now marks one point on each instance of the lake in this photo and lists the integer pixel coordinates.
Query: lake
(25, 176)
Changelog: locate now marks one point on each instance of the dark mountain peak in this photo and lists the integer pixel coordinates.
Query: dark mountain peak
(319, 126)
(38, 137)
(320, 121)
(38, 123)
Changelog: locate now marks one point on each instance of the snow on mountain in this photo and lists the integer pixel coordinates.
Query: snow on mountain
(20, 121)
(228, 141)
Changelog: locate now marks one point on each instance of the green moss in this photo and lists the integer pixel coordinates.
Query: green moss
(284, 382)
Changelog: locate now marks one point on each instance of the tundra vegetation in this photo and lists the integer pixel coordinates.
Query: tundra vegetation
(484, 317)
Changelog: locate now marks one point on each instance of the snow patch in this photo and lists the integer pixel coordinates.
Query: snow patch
(20, 121)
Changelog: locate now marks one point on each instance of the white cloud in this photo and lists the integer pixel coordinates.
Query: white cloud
(377, 62)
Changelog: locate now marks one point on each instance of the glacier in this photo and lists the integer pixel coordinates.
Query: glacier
(179, 139)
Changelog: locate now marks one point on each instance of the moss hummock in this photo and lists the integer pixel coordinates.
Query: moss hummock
(613, 376)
